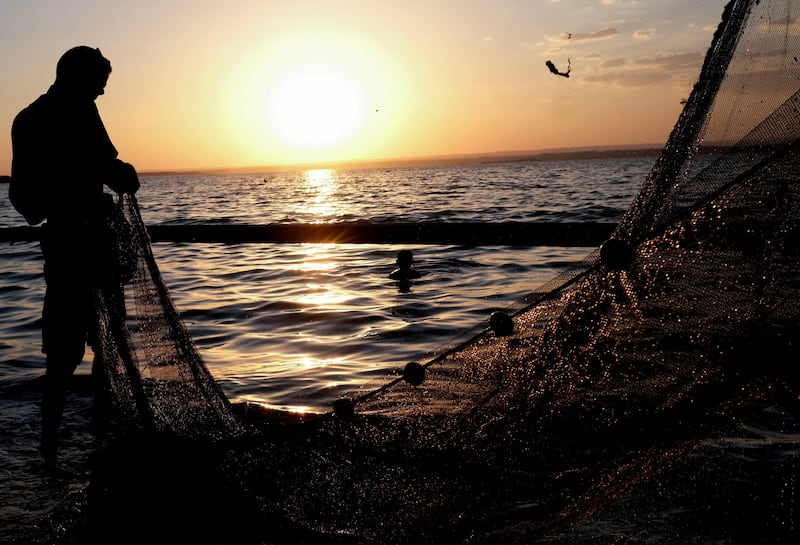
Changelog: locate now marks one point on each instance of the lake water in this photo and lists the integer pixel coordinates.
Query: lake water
(291, 325)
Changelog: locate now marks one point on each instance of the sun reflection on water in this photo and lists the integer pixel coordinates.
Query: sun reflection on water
(319, 262)
(321, 189)
(314, 258)
(324, 296)
(333, 367)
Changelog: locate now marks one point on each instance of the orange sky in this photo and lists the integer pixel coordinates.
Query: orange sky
(207, 84)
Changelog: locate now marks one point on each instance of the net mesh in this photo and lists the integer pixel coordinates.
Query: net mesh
(157, 378)
(684, 319)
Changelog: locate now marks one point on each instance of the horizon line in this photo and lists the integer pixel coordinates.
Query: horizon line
(578, 152)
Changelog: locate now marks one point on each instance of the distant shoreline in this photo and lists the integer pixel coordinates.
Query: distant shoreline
(441, 160)
(566, 154)
(477, 158)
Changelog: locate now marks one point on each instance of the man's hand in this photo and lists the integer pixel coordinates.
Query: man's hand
(124, 178)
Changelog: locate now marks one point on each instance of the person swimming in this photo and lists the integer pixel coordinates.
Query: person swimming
(405, 267)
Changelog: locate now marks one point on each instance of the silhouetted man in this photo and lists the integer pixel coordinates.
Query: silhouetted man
(62, 158)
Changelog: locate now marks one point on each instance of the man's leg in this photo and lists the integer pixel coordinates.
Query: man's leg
(54, 394)
(64, 343)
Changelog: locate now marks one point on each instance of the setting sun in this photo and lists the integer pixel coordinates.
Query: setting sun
(314, 97)
(316, 107)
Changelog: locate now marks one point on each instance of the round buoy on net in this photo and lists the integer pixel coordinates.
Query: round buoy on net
(344, 408)
(501, 323)
(616, 254)
(414, 373)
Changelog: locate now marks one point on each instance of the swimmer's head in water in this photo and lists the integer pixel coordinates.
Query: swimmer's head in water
(405, 258)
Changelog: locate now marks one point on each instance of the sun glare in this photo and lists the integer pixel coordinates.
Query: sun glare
(305, 99)
(316, 108)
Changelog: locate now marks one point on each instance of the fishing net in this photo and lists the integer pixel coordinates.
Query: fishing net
(157, 377)
(685, 319)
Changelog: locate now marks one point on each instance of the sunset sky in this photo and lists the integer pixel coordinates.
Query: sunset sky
(210, 84)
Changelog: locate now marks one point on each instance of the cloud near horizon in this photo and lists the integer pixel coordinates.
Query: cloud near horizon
(604, 34)
(655, 69)
(644, 34)
(558, 41)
